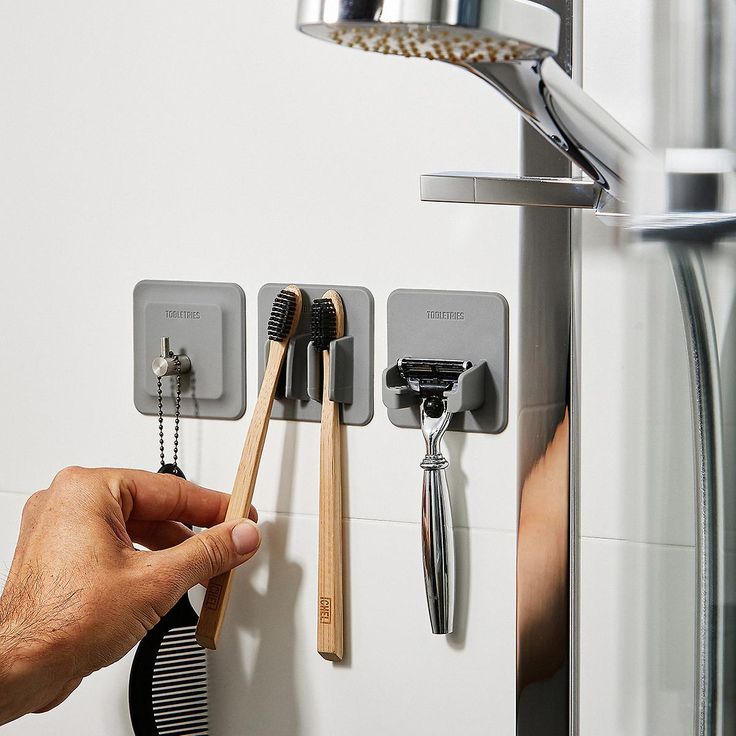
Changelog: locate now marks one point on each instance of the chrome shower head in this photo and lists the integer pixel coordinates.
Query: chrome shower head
(509, 44)
(455, 31)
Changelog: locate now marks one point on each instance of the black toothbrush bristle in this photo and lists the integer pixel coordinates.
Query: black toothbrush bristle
(324, 323)
(282, 315)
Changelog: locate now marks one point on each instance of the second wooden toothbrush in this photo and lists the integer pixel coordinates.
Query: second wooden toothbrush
(285, 314)
(328, 324)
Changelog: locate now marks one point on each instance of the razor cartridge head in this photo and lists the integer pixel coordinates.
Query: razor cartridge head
(431, 376)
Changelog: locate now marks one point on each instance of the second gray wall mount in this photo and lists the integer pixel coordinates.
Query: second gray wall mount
(359, 324)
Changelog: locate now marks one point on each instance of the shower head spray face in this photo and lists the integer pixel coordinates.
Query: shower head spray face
(455, 31)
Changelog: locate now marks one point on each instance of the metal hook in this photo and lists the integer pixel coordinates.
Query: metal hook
(166, 363)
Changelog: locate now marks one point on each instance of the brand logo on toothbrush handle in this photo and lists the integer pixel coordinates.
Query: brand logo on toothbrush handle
(447, 316)
(325, 610)
(212, 599)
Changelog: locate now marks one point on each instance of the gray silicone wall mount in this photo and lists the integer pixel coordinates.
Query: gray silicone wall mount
(451, 325)
(351, 358)
(206, 322)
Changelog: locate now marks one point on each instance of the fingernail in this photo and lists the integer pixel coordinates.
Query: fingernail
(246, 537)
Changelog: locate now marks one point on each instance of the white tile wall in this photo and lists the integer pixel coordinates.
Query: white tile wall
(398, 677)
(266, 678)
(213, 142)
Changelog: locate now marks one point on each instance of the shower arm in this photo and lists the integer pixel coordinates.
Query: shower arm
(594, 141)
(568, 118)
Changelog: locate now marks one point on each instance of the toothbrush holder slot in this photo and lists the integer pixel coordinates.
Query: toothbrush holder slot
(293, 381)
(341, 354)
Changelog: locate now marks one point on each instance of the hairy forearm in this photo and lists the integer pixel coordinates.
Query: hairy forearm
(18, 695)
(31, 642)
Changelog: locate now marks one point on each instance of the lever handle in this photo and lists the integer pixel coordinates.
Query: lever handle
(438, 549)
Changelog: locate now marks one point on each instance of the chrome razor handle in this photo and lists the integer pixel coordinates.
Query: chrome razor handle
(438, 549)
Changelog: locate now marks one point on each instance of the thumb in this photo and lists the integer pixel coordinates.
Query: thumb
(212, 552)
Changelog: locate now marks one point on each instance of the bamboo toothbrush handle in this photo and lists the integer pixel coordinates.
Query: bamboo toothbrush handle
(329, 584)
(218, 590)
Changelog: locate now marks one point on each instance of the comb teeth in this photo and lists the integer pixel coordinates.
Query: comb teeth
(282, 315)
(324, 323)
(179, 688)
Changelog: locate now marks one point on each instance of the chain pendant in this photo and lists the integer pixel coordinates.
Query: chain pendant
(177, 414)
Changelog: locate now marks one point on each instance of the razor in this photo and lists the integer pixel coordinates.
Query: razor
(433, 380)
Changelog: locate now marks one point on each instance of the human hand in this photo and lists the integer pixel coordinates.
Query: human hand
(79, 595)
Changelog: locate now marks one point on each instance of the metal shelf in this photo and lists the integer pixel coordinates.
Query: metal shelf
(478, 188)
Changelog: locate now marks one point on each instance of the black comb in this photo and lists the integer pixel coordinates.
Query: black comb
(324, 323)
(282, 315)
(167, 693)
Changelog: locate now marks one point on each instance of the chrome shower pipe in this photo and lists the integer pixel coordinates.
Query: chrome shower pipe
(549, 425)
(692, 288)
(568, 118)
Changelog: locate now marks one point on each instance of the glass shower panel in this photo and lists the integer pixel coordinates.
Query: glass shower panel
(694, 93)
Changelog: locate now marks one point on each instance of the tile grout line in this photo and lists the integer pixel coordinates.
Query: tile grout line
(17, 494)
(494, 530)
(637, 541)
(299, 514)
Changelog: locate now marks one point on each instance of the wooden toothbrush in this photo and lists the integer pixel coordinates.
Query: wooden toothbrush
(328, 323)
(285, 314)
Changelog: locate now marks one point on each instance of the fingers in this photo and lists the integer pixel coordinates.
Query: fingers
(156, 535)
(146, 496)
(209, 553)
(157, 497)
